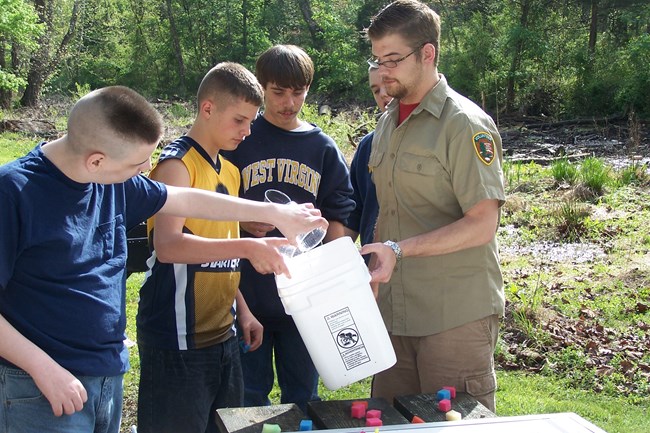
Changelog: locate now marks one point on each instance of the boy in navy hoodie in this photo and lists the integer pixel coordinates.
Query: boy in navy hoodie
(286, 153)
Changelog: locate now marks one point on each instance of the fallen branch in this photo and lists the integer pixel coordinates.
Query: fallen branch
(546, 160)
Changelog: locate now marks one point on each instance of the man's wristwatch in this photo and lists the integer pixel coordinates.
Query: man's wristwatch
(396, 249)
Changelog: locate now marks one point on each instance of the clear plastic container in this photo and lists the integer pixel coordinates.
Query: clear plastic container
(305, 241)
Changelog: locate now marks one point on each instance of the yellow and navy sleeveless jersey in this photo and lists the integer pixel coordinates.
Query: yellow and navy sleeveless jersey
(191, 306)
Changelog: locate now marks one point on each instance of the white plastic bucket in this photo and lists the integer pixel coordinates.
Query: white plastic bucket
(332, 304)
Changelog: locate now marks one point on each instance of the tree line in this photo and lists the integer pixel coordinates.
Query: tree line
(554, 58)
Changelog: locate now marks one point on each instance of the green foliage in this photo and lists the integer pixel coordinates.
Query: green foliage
(595, 175)
(19, 23)
(19, 27)
(345, 128)
(9, 81)
(570, 221)
(470, 58)
(81, 90)
(340, 68)
(633, 65)
(564, 171)
(634, 174)
(510, 57)
(616, 79)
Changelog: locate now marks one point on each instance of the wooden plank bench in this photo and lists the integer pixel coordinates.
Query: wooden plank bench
(337, 413)
(425, 406)
(251, 419)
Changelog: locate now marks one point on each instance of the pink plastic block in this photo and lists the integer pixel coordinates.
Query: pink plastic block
(358, 410)
(373, 413)
(444, 405)
(451, 389)
(373, 422)
(363, 402)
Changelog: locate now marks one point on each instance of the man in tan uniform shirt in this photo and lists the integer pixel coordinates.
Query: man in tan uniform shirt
(436, 163)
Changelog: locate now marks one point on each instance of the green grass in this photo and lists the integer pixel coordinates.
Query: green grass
(14, 145)
(564, 171)
(521, 394)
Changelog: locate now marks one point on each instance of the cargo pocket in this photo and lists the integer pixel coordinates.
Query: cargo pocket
(478, 386)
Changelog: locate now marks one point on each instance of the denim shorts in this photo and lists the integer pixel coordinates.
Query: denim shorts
(25, 409)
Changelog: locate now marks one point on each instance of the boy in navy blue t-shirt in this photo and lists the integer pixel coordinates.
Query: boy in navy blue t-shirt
(65, 208)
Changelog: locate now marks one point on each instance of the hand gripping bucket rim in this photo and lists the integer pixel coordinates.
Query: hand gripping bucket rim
(331, 302)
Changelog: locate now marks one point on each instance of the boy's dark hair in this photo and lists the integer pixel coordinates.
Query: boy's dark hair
(413, 20)
(287, 66)
(227, 81)
(129, 113)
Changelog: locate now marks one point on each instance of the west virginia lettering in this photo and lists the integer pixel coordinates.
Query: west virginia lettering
(281, 170)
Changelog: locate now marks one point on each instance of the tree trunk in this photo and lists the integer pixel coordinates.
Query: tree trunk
(43, 63)
(5, 94)
(516, 56)
(244, 30)
(176, 45)
(315, 30)
(593, 28)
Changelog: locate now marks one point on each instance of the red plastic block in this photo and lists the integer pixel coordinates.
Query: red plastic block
(358, 410)
(373, 422)
(373, 413)
(417, 420)
(444, 405)
(451, 389)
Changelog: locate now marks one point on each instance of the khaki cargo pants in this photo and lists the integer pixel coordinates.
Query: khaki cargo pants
(462, 357)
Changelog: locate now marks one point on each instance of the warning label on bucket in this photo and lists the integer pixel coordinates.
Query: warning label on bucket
(346, 336)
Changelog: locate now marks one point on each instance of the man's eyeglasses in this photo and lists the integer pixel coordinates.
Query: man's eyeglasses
(389, 63)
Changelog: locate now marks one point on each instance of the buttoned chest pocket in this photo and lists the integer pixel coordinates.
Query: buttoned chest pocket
(374, 161)
(421, 165)
(113, 239)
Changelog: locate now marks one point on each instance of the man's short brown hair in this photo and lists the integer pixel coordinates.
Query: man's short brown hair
(287, 66)
(413, 20)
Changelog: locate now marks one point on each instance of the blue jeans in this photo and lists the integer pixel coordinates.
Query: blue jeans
(297, 376)
(24, 409)
(180, 390)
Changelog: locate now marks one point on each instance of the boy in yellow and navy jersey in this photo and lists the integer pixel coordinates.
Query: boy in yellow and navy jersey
(189, 353)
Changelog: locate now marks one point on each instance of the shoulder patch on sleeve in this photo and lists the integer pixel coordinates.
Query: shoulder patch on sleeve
(484, 147)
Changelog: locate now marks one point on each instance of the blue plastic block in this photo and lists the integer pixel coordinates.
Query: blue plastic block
(306, 425)
(443, 394)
